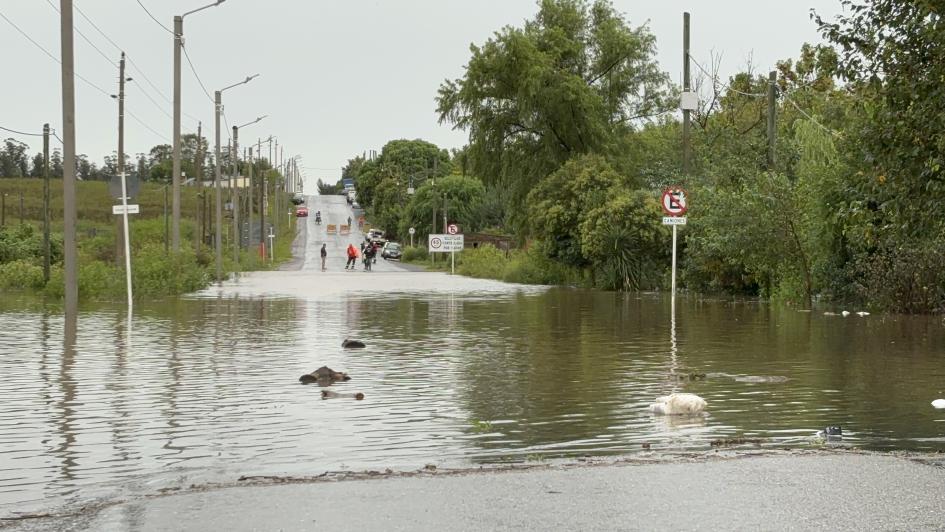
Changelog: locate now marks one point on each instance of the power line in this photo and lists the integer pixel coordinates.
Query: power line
(153, 18)
(21, 132)
(149, 128)
(194, 70)
(809, 117)
(724, 85)
(51, 56)
(77, 30)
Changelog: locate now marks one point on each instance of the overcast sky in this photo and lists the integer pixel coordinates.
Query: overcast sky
(337, 77)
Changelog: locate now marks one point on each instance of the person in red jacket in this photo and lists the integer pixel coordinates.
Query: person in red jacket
(352, 256)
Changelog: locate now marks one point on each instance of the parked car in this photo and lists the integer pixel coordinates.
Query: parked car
(391, 251)
(301, 212)
(298, 199)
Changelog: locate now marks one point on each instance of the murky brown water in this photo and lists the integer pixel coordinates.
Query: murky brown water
(455, 373)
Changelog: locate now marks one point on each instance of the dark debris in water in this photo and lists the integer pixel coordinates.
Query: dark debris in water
(726, 442)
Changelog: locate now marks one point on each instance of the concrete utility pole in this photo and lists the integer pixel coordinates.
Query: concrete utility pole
(218, 236)
(249, 199)
(262, 202)
(121, 173)
(46, 246)
(175, 177)
(235, 195)
(175, 167)
(686, 88)
(772, 119)
(121, 236)
(70, 255)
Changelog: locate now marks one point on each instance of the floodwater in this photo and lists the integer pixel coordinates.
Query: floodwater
(456, 372)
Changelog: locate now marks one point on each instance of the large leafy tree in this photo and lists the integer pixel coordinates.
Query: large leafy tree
(462, 196)
(571, 81)
(891, 53)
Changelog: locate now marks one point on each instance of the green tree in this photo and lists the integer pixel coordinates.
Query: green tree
(890, 52)
(559, 203)
(462, 196)
(36, 170)
(13, 159)
(574, 80)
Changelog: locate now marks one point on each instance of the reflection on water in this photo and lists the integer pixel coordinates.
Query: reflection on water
(454, 378)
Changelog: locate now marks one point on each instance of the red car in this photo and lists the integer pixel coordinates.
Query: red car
(301, 212)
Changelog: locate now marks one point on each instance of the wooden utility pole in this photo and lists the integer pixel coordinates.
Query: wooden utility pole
(46, 247)
(262, 202)
(772, 119)
(687, 150)
(69, 212)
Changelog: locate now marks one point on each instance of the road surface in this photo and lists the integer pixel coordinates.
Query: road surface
(335, 210)
(820, 491)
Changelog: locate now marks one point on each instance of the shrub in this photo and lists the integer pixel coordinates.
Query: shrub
(415, 254)
(906, 278)
(484, 262)
(21, 274)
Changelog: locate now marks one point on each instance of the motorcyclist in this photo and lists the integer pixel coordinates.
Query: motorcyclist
(318, 217)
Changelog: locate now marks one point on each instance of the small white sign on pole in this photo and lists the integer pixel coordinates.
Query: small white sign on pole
(674, 220)
(131, 209)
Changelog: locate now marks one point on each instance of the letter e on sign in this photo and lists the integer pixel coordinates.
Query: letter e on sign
(673, 201)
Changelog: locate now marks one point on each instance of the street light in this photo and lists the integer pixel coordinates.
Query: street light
(218, 240)
(235, 189)
(175, 168)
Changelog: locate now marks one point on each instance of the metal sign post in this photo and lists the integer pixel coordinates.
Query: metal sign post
(446, 244)
(673, 202)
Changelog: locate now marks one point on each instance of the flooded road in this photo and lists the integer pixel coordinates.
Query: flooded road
(456, 372)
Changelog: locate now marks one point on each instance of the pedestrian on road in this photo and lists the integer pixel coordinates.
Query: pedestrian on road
(324, 256)
(349, 222)
(352, 257)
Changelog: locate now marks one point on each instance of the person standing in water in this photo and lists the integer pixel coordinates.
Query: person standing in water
(352, 257)
(324, 256)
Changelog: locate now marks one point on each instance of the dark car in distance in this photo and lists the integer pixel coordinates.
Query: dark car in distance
(392, 251)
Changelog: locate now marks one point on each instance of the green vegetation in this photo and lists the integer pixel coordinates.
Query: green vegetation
(571, 140)
(155, 272)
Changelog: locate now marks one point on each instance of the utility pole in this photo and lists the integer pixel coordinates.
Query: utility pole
(119, 231)
(686, 88)
(218, 235)
(68, 160)
(175, 167)
(772, 119)
(46, 247)
(235, 195)
(249, 199)
(198, 176)
(262, 202)
(121, 173)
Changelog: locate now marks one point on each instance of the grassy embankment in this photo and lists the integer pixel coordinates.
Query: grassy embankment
(487, 262)
(155, 272)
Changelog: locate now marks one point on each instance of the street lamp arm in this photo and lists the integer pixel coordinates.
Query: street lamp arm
(218, 2)
(237, 84)
(251, 122)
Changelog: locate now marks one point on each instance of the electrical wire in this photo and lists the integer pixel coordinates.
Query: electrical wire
(809, 117)
(146, 126)
(154, 19)
(51, 56)
(725, 86)
(77, 30)
(194, 70)
(21, 132)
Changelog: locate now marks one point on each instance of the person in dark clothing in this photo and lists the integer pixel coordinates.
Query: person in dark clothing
(324, 256)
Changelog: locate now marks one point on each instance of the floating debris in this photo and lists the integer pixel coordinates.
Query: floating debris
(352, 344)
(678, 404)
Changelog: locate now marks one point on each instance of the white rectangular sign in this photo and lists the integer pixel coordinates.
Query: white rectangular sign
(445, 243)
(674, 220)
(132, 209)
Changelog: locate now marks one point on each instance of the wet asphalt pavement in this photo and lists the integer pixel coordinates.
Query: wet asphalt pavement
(820, 491)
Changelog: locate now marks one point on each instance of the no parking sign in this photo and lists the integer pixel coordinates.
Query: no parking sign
(674, 201)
